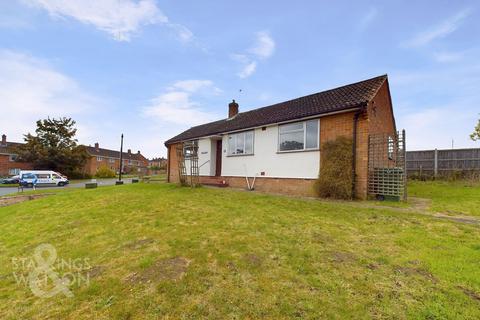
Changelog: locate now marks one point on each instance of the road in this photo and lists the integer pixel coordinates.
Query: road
(101, 183)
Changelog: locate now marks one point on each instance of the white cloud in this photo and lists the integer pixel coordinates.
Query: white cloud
(264, 45)
(248, 70)
(176, 105)
(447, 56)
(194, 86)
(120, 18)
(442, 30)
(30, 89)
(263, 48)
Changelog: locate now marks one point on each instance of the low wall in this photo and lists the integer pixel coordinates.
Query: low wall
(288, 186)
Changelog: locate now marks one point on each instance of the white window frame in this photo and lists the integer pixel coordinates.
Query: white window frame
(236, 134)
(111, 160)
(14, 171)
(99, 159)
(304, 123)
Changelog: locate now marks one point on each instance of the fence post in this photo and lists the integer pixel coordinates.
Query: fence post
(404, 142)
(435, 164)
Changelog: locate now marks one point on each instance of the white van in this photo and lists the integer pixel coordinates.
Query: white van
(44, 178)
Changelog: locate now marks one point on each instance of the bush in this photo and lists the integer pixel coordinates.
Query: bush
(77, 175)
(105, 172)
(335, 179)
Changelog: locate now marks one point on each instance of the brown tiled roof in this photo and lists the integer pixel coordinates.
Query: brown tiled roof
(8, 148)
(342, 98)
(100, 152)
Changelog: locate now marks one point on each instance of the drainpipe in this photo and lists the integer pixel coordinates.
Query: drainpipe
(354, 148)
(169, 158)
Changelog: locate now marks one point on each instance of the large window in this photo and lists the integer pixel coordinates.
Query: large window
(240, 143)
(298, 136)
(13, 171)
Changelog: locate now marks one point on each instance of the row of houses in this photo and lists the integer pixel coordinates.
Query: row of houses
(98, 157)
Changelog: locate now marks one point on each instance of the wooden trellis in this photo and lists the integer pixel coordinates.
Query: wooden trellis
(387, 175)
(187, 152)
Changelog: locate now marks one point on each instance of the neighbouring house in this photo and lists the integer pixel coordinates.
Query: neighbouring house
(9, 166)
(160, 163)
(99, 157)
(281, 144)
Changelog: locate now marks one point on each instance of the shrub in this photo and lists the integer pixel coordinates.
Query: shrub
(77, 175)
(335, 179)
(105, 172)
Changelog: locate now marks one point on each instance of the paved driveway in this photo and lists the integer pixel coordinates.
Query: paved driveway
(101, 182)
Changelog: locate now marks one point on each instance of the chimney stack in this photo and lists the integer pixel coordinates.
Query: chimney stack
(138, 152)
(4, 139)
(97, 145)
(129, 151)
(232, 109)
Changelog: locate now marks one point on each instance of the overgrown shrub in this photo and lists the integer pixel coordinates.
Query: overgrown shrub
(335, 179)
(77, 175)
(105, 172)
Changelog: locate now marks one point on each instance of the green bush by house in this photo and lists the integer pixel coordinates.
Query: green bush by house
(335, 179)
(105, 172)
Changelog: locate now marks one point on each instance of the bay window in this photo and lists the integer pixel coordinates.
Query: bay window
(298, 136)
(240, 143)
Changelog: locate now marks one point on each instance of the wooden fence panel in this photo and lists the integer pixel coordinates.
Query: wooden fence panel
(442, 162)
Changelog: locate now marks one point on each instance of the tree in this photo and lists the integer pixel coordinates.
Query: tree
(476, 132)
(54, 147)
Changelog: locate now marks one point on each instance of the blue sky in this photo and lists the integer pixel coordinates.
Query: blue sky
(152, 68)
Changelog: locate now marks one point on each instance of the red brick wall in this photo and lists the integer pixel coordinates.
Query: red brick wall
(6, 165)
(172, 164)
(92, 165)
(380, 114)
(293, 187)
(339, 125)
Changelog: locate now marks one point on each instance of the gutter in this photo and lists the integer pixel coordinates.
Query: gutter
(354, 147)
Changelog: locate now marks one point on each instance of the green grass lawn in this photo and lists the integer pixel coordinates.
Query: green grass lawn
(457, 198)
(161, 251)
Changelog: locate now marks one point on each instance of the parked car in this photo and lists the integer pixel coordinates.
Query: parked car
(11, 180)
(42, 178)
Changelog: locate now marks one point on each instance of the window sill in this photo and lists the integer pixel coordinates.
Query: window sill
(239, 155)
(295, 151)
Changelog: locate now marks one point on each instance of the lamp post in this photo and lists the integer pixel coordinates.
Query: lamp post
(121, 159)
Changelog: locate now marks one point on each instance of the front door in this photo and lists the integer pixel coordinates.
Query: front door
(218, 160)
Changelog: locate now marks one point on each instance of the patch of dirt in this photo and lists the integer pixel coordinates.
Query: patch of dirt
(461, 219)
(253, 259)
(137, 244)
(10, 200)
(231, 266)
(420, 204)
(342, 257)
(472, 294)
(94, 271)
(164, 269)
(411, 271)
(373, 266)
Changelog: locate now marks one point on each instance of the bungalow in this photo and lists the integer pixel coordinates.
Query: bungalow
(280, 145)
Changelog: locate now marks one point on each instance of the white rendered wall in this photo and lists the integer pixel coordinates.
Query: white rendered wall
(266, 158)
(204, 153)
